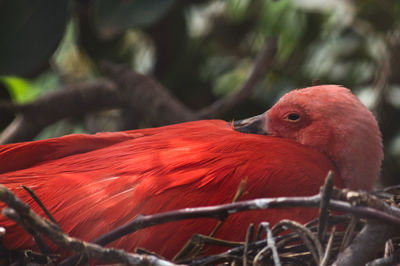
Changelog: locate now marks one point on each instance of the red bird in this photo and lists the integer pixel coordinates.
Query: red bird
(94, 183)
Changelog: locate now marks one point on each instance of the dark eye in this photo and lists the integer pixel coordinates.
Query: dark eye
(293, 117)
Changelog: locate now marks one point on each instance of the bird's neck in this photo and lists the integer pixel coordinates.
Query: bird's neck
(359, 161)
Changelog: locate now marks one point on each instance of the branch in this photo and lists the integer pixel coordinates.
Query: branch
(73, 100)
(20, 212)
(262, 63)
(126, 89)
(373, 236)
(221, 211)
(373, 209)
(145, 95)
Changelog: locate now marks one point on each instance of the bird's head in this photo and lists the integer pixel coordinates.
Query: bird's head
(331, 119)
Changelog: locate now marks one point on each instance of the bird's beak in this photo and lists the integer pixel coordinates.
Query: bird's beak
(253, 125)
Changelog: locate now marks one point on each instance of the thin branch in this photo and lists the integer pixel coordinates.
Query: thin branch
(41, 205)
(350, 232)
(373, 236)
(374, 209)
(220, 211)
(73, 100)
(272, 244)
(20, 212)
(311, 242)
(144, 95)
(366, 244)
(328, 250)
(249, 239)
(326, 194)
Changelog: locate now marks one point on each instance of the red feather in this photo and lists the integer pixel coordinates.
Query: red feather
(92, 184)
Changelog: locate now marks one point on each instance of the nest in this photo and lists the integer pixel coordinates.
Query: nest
(368, 232)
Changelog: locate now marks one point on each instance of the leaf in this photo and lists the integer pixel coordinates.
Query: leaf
(21, 90)
(113, 17)
(30, 32)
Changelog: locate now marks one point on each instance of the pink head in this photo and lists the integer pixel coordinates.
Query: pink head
(332, 120)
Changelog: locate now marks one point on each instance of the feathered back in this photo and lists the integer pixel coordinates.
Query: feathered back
(92, 184)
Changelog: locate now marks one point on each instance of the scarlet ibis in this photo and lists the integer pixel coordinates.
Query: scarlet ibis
(94, 183)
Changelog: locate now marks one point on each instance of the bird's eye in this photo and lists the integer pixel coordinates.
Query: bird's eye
(293, 117)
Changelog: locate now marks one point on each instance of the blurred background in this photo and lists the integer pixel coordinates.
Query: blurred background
(200, 51)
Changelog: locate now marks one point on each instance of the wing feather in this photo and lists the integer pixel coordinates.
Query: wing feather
(92, 184)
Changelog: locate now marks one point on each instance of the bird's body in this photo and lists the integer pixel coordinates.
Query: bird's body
(93, 183)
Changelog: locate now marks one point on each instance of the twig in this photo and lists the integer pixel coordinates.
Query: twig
(373, 236)
(220, 211)
(327, 254)
(271, 244)
(366, 244)
(41, 205)
(305, 234)
(239, 192)
(249, 239)
(73, 100)
(387, 261)
(326, 194)
(40, 242)
(18, 210)
(349, 233)
(192, 248)
(379, 212)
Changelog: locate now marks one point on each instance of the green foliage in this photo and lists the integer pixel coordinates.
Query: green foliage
(21, 90)
(283, 19)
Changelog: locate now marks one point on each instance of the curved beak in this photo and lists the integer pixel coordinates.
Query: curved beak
(253, 125)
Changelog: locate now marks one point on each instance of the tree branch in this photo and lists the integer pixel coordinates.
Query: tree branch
(373, 236)
(73, 100)
(20, 212)
(125, 89)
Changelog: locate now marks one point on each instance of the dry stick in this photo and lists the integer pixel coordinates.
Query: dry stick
(389, 248)
(220, 211)
(199, 240)
(260, 244)
(387, 189)
(305, 234)
(239, 192)
(389, 215)
(387, 261)
(40, 242)
(258, 259)
(374, 234)
(349, 233)
(73, 100)
(366, 244)
(194, 249)
(249, 239)
(272, 244)
(328, 250)
(260, 231)
(44, 248)
(41, 205)
(326, 194)
(18, 211)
